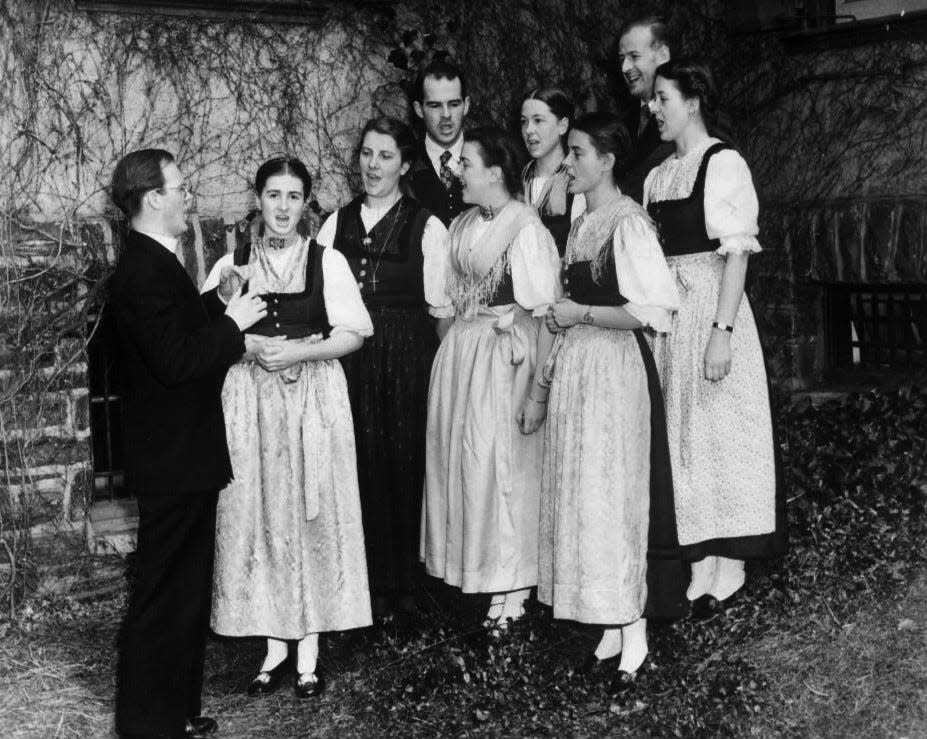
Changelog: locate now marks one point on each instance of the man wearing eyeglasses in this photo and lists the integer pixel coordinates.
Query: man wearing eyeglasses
(175, 347)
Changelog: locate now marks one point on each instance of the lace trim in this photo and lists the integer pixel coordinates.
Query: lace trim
(468, 294)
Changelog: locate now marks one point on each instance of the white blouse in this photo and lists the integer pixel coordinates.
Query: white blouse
(731, 204)
(434, 255)
(534, 265)
(644, 278)
(537, 187)
(343, 302)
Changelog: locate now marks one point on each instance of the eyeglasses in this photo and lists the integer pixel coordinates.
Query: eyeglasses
(184, 188)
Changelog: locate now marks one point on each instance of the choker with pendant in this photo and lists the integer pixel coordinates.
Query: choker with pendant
(280, 242)
(487, 212)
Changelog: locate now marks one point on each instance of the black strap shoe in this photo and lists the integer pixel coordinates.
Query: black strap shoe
(310, 685)
(267, 681)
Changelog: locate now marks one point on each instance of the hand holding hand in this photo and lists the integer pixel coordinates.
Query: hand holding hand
(718, 355)
(245, 310)
(231, 279)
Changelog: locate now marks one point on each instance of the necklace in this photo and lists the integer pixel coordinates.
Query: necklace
(487, 212)
(278, 279)
(281, 242)
(367, 241)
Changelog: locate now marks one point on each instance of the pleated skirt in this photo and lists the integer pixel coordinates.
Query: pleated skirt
(388, 387)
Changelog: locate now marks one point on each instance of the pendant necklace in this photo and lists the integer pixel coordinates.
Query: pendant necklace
(367, 241)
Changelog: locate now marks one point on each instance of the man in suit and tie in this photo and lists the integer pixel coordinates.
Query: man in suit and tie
(175, 347)
(644, 45)
(441, 101)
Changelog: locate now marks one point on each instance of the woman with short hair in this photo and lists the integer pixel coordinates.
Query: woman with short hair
(546, 116)
(289, 540)
(717, 402)
(397, 252)
(483, 455)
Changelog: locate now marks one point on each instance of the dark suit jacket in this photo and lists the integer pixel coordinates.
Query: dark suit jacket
(648, 151)
(428, 189)
(175, 347)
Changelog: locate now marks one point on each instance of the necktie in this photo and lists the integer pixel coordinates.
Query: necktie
(645, 119)
(447, 174)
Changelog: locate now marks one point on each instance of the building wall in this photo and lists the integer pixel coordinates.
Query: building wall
(835, 141)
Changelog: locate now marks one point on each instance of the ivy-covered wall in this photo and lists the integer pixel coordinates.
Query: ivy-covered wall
(836, 141)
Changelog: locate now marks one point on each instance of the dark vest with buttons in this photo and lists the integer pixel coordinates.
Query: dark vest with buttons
(387, 262)
(579, 286)
(431, 193)
(681, 223)
(294, 315)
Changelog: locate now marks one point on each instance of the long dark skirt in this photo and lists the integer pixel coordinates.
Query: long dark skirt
(388, 387)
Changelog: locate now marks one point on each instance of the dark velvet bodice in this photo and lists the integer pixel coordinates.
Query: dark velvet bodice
(294, 315)
(681, 223)
(388, 267)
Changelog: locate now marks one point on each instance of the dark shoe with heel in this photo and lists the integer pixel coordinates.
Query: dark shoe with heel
(310, 685)
(592, 665)
(625, 680)
(707, 606)
(267, 681)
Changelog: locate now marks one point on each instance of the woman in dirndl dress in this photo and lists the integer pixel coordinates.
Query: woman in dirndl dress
(483, 455)
(546, 115)
(605, 409)
(289, 539)
(714, 379)
(397, 252)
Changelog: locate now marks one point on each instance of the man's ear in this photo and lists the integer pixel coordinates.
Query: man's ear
(663, 53)
(417, 107)
(466, 105)
(152, 199)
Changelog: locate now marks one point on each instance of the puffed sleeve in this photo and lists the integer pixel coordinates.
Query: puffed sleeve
(731, 205)
(436, 263)
(212, 280)
(535, 267)
(326, 234)
(643, 275)
(343, 303)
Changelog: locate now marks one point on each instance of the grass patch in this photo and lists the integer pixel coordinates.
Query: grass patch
(830, 642)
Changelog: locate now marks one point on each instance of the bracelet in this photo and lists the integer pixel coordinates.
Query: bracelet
(587, 316)
(539, 402)
(723, 326)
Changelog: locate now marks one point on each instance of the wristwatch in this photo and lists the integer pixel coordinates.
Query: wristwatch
(587, 316)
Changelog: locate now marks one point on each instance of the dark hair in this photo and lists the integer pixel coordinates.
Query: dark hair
(498, 149)
(137, 173)
(609, 135)
(440, 69)
(400, 132)
(659, 29)
(560, 104)
(695, 81)
(282, 165)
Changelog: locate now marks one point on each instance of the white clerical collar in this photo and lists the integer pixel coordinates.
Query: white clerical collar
(434, 150)
(167, 242)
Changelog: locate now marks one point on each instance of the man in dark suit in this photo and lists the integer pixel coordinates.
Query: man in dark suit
(644, 45)
(175, 347)
(441, 101)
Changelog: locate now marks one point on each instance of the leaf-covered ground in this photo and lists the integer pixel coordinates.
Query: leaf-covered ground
(830, 642)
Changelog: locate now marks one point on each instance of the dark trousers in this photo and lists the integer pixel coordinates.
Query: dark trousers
(163, 639)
